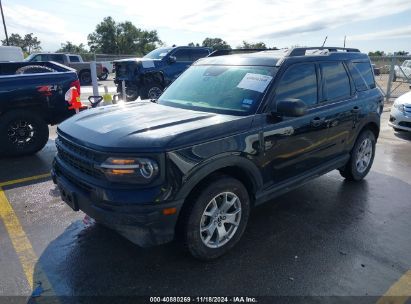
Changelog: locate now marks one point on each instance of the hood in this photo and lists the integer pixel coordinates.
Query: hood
(144, 126)
(145, 62)
(404, 99)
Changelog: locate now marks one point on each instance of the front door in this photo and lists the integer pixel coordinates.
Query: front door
(295, 144)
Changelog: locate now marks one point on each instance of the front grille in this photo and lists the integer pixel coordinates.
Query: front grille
(407, 108)
(406, 124)
(77, 157)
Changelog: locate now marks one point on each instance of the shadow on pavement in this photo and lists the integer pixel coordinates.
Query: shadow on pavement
(325, 238)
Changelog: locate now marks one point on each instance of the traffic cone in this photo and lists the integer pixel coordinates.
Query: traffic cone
(73, 97)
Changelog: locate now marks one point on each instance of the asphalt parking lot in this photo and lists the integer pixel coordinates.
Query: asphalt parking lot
(328, 240)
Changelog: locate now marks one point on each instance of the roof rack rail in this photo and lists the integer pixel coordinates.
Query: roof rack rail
(300, 51)
(237, 51)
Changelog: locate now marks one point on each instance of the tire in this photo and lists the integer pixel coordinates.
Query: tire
(355, 169)
(394, 78)
(152, 90)
(85, 77)
(34, 69)
(22, 132)
(195, 218)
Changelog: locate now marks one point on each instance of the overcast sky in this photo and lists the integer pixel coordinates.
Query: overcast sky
(368, 24)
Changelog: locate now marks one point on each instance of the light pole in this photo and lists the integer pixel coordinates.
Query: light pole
(4, 24)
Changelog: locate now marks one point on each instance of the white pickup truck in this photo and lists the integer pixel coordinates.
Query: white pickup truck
(403, 71)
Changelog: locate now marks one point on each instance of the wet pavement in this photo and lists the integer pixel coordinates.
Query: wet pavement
(327, 238)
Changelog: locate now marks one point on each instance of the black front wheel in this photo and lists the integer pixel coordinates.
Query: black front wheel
(131, 92)
(22, 132)
(215, 219)
(152, 90)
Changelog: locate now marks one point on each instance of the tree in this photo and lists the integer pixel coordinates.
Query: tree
(376, 53)
(192, 44)
(401, 53)
(69, 47)
(258, 45)
(28, 44)
(122, 38)
(216, 44)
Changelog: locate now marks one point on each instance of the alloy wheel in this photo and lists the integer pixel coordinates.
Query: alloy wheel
(220, 220)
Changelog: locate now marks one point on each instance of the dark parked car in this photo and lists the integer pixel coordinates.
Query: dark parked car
(148, 76)
(31, 98)
(230, 133)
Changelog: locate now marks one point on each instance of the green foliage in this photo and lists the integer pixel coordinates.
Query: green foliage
(216, 44)
(402, 53)
(377, 53)
(69, 47)
(258, 45)
(122, 38)
(28, 43)
(192, 44)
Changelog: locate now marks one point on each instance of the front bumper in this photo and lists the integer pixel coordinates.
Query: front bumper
(400, 120)
(142, 223)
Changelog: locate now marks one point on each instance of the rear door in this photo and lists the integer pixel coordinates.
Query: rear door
(341, 104)
(198, 53)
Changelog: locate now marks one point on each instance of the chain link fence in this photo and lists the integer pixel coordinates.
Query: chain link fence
(393, 75)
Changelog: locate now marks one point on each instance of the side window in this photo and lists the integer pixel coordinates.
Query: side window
(74, 59)
(183, 55)
(364, 74)
(36, 58)
(197, 54)
(336, 81)
(57, 58)
(299, 81)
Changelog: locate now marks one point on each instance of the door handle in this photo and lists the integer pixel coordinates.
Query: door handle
(316, 122)
(356, 109)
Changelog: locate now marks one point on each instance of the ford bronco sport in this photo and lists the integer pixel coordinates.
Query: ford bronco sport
(230, 133)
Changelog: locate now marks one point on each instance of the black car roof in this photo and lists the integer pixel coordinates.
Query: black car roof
(276, 57)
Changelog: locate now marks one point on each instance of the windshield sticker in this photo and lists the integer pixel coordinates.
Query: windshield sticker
(248, 101)
(255, 82)
(148, 64)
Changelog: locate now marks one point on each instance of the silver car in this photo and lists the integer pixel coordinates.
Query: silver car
(400, 116)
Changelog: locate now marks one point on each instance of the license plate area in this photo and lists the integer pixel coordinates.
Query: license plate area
(68, 195)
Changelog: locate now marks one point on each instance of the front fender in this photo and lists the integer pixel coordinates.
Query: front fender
(199, 172)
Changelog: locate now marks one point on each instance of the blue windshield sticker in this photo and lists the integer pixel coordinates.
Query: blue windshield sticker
(247, 103)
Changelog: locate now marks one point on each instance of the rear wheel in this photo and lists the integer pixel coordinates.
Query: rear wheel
(216, 219)
(103, 75)
(131, 92)
(362, 157)
(22, 132)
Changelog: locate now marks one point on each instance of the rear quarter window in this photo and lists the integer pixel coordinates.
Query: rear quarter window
(362, 73)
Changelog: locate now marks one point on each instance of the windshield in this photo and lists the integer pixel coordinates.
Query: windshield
(234, 90)
(158, 53)
(30, 57)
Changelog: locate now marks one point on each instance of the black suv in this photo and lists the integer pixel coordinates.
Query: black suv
(148, 76)
(230, 133)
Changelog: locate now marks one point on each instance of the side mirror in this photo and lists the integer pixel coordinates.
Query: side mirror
(291, 107)
(172, 59)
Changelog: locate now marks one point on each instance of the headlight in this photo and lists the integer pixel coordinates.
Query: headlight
(399, 106)
(130, 170)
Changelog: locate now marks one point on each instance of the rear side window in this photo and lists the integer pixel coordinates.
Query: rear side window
(74, 59)
(57, 58)
(299, 81)
(183, 55)
(197, 54)
(364, 74)
(336, 81)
